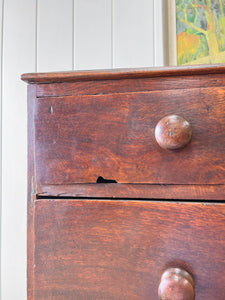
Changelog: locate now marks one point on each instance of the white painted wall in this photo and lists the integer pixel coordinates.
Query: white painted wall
(1, 27)
(56, 35)
(18, 56)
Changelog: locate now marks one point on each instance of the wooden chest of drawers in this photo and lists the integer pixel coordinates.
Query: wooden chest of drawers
(124, 203)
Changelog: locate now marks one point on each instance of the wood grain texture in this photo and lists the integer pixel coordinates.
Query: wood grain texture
(135, 191)
(117, 74)
(176, 284)
(173, 132)
(94, 87)
(83, 125)
(119, 249)
(81, 138)
(31, 192)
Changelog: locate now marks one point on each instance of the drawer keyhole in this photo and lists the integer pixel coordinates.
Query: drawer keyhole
(100, 179)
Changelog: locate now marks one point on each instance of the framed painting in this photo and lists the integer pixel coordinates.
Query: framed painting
(200, 31)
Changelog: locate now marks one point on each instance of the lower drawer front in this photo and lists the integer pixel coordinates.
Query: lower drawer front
(118, 250)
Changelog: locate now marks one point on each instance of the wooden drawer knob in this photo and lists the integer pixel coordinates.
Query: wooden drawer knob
(176, 284)
(173, 132)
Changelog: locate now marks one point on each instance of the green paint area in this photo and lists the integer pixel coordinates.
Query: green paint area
(200, 31)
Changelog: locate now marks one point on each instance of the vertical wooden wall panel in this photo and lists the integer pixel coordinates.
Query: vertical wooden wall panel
(18, 57)
(133, 27)
(54, 35)
(158, 33)
(1, 27)
(170, 30)
(84, 34)
(92, 29)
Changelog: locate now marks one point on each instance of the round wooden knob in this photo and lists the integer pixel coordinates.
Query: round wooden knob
(176, 284)
(173, 132)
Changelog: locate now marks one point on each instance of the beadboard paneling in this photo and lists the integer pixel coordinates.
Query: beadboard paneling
(92, 30)
(54, 35)
(133, 33)
(1, 27)
(18, 57)
(158, 34)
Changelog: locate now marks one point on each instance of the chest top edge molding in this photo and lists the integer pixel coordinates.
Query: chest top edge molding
(116, 74)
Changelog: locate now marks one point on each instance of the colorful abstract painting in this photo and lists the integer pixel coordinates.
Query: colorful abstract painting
(200, 27)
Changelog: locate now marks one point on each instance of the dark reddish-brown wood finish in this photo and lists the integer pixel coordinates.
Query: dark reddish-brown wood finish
(176, 284)
(110, 86)
(96, 249)
(135, 191)
(119, 74)
(83, 125)
(80, 138)
(31, 192)
(173, 132)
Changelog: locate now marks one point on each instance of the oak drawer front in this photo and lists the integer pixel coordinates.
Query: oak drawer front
(80, 138)
(99, 249)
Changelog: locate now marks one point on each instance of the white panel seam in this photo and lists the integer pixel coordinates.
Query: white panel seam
(2, 25)
(54, 35)
(112, 34)
(158, 33)
(36, 36)
(73, 37)
(154, 33)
